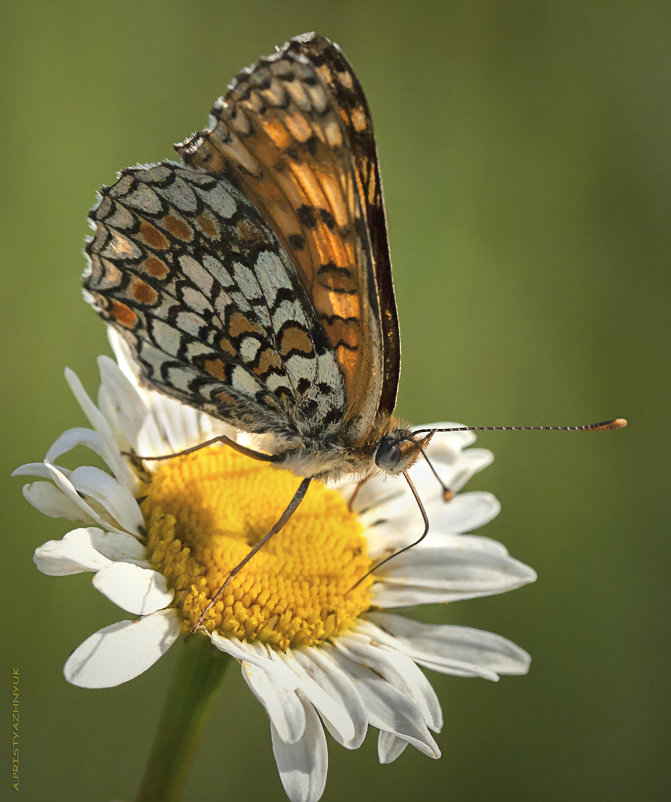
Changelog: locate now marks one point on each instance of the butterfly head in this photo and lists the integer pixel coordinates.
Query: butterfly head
(400, 448)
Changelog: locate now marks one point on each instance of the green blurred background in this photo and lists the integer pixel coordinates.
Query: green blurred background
(526, 160)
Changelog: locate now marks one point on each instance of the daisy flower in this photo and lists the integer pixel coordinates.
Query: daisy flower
(160, 536)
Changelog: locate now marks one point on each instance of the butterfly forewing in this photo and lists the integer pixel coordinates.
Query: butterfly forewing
(302, 150)
(185, 267)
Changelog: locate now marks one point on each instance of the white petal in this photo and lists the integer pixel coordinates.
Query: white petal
(388, 708)
(464, 513)
(470, 462)
(170, 427)
(111, 453)
(122, 353)
(389, 747)
(184, 421)
(94, 415)
(87, 513)
(170, 420)
(151, 443)
(396, 667)
(375, 491)
(256, 654)
(87, 549)
(434, 574)
(400, 510)
(50, 501)
(32, 469)
(73, 554)
(455, 650)
(326, 673)
(119, 546)
(122, 651)
(71, 438)
(134, 411)
(116, 499)
(148, 440)
(384, 540)
(303, 765)
(121, 402)
(335, 716)
(453, 474)
(284, 708)
(137, 590)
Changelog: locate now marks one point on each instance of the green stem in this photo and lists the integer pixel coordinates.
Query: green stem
(190, 697)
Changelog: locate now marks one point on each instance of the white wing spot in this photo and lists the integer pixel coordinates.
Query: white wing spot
(272, 275)
(300, 367)
(167, 338)
(288, 310)
(197, 273)
(180, 376)
(246, 281)
(243, 381)
(219, 200)
(194, 349)
(196, 300)
(180, 194)
(190, 323)
(217, 271)
(249, 348)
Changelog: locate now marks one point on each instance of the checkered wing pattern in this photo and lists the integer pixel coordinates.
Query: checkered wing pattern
(294, 134)
(185, 267)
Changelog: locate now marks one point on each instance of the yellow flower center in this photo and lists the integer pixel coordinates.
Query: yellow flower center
(204, 511)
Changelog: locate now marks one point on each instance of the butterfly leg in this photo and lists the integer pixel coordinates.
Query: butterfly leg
(299, 495)
(350, 503)
(425, 518)
(248, 452)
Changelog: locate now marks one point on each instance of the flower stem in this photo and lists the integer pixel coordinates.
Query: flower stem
(192, 691)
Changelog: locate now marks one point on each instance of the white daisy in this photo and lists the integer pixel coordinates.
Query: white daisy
(160, 538)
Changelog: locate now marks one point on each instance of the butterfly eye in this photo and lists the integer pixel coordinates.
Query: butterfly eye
(387, 455)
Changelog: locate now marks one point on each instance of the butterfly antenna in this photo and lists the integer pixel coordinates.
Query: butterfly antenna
(425, 518)
(602, 426)
(448, 495)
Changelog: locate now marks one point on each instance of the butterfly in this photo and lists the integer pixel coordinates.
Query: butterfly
(253, 281)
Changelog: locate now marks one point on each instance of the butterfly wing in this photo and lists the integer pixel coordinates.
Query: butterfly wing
(184, 266)
(335, 71)
(294, 134)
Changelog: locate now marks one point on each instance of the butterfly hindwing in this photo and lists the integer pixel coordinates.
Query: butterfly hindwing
(184, 266)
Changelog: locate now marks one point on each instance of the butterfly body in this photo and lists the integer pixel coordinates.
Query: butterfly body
(332, 458)
(253, 281)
